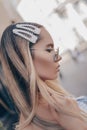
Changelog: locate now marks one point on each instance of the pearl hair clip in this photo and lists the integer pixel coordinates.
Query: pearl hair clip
(27, 31)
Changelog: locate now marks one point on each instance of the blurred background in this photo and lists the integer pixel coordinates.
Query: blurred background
(66, 20)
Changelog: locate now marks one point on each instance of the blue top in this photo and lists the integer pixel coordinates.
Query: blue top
(82, 102)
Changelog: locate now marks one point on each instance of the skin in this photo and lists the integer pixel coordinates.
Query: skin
(45, 66)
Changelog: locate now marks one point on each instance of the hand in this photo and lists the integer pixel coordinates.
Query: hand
(69, 122)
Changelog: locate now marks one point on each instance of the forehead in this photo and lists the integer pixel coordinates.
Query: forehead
(45, 39)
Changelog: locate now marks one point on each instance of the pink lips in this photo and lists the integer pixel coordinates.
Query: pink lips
(58, 68)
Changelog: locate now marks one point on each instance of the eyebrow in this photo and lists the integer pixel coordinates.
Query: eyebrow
(50, 44)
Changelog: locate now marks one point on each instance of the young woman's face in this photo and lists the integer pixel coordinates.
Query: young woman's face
(43, 59)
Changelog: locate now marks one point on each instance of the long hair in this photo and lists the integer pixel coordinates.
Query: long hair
(22, 82)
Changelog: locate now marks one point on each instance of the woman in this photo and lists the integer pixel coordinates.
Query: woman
(30, 66)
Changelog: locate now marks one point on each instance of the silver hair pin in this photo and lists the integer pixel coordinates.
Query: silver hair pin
(27, 31)
(22, 33)
(29, 27)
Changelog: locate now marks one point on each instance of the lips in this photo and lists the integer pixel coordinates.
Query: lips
(58, 68)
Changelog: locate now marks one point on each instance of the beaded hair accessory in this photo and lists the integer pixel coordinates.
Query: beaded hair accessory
(27, 31)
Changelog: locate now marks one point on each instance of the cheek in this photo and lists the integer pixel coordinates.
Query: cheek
(45, 67)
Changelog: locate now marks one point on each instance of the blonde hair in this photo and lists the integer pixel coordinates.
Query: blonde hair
(17, 56)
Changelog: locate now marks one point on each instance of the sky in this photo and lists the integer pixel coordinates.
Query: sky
(61, 30)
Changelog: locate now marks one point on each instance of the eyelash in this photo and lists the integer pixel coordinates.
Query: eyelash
(49, 50)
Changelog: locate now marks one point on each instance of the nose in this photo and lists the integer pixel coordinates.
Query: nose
(59, 58)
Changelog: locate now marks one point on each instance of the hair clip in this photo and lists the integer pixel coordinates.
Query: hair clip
(26, 35)
(27, 31)
(29, 27)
